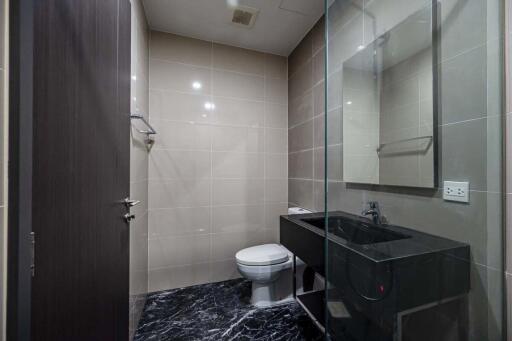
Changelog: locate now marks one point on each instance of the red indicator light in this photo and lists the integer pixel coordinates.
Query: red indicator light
(381, 288)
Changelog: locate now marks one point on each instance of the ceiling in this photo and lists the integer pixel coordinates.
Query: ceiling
(279, 25)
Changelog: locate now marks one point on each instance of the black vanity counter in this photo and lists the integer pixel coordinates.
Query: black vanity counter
(415, 243)
(383, 270)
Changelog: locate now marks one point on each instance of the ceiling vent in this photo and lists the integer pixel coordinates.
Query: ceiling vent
(244, 16)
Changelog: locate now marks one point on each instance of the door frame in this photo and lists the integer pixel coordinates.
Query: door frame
(19, 279)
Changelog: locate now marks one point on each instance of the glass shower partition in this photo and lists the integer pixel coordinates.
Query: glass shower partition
(413, 170)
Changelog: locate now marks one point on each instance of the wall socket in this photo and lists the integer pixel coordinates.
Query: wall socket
(456, 191)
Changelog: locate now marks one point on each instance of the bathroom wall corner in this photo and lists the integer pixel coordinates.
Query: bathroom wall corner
(139, 165)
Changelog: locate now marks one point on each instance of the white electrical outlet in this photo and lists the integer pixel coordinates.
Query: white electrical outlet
(456, 191)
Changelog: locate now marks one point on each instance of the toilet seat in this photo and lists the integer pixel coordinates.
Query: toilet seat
(261, 255)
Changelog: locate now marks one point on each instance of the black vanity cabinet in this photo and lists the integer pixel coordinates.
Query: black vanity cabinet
(376, 274)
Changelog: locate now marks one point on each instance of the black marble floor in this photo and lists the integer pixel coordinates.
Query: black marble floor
(221, 311)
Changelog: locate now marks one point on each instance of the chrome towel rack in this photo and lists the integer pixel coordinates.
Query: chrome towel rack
(149, 142)
(149, 131)
(429, 137)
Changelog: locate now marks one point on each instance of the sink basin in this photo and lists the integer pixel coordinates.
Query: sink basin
(354, 231)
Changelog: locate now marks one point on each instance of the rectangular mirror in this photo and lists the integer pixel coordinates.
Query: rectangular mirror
(388, 108)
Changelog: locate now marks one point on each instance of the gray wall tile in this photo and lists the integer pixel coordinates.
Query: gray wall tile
(300, 137)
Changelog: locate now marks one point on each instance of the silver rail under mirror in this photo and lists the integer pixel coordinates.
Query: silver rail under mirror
(383, 145)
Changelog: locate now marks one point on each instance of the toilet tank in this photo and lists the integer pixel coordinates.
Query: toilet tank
(297, 210)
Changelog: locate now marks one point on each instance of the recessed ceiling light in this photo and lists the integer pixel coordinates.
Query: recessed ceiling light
(197, 85)
(209, 106)
(349, 102)
(360, 47)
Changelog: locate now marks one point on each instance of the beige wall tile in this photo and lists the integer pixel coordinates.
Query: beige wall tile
(272, 213)
(226, 245)
(302, 53)
(180, 49)
(170, 105)
(468, 103)
(238, 218)
(139, 191)
(319, 99)
(237, 85)
(238, 139)
(319, 66)
(178, 276)
(181, 135)
(276, 166)
(138, 157)
(237, 59)
(300, 137)
(301, 164)
(456, 38)
(276, 66)
(465, 158)
(209, 165)
(318, 35)
(301, 81)
(223, 270)
(334, 163)
(233, 111)
(179, 193)
(237, 191)
(176, 164)
(166, 75)
(179, 222)
(276, 90)
(179, 250)
(300, 193)
(276, 140)
(276, 115)
(300, 109)
(276, 190)
(237, 165)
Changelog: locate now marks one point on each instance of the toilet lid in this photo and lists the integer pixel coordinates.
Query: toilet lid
(267, 254)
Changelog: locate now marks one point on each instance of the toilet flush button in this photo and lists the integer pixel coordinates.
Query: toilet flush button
(456, 191)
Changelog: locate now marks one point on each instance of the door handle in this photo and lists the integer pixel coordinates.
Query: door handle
(129, 217)
(130, 203)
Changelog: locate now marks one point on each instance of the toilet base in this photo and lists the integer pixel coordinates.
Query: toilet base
(276, 292)
(267, 295)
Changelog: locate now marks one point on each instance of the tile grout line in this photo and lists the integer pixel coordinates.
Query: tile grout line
(212, 68)
(213, 124)
(210, 239)
(191, 93)
(264, 142)
(312, 89)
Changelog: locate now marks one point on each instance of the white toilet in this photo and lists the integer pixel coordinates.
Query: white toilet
(270, 268)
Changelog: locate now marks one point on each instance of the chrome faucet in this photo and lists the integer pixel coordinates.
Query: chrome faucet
(374, 211)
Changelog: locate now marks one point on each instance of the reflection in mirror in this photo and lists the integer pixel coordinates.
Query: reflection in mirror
(388, 114)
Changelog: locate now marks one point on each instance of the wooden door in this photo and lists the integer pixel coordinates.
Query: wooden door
(81, 144)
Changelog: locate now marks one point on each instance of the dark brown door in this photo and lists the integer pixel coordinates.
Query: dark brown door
(81, 169)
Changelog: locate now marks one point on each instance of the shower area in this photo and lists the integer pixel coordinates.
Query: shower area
(414, 134)
(383, 124)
